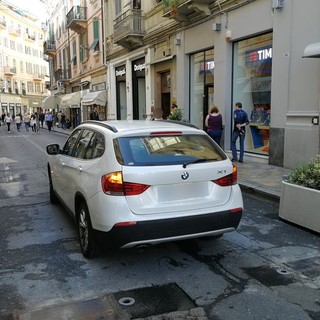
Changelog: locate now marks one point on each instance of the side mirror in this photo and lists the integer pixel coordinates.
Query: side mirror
(53, 149)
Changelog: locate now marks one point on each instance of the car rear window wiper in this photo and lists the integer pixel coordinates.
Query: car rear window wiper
(197, 161)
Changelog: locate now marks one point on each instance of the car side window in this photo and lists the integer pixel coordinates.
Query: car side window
(83, 144)
(98, 146)
(70, 144)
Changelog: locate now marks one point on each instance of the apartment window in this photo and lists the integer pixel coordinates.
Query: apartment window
(29, 68)
(83, 44)
(5, 42)
(12, 45)
(21, 67)
(95, 45)
(37, 87)
(30, 86)
(36, 69)
(27, 50)
(35, 52)
(74, 52)
(118, 7)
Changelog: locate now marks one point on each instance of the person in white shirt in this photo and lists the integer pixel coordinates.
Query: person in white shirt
(17, 120)
(48, 119)
(8, 120)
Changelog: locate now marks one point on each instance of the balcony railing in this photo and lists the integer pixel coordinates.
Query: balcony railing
(77, 19)
(38, 77)
(180, 10)
(49, 47)
(62, 74)
(10, 70)
(15, 31)
(129, 28)
(3, 24)
(30, 37)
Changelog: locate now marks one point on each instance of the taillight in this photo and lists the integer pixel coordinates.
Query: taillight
(228, 180)
(113, 184)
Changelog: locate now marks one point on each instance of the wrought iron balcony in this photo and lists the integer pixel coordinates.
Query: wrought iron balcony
(38, 77)
(77, 19)
(49, 48)
(181, 10)
(30, 37)
(10, 71)
(3, 24)
(129, 29)
(14, 31)
(62, 74)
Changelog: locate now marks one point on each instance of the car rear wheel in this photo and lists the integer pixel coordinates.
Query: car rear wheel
(88, 244)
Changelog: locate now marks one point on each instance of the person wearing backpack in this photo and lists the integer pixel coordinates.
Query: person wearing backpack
(240, 118)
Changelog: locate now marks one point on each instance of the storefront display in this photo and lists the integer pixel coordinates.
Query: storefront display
(252, 86)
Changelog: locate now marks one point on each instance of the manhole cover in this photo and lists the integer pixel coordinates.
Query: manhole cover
(154, 300)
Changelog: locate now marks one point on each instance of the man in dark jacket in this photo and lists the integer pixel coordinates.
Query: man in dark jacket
(240, 119)
(94, 114)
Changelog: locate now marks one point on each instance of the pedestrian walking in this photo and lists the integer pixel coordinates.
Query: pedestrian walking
(41, 118)
(8, 120)
(49, 120)
(240, 118)
(26, 120)
(214, 124)
(37, 122)
(17, 120)
(62, 120)
(33, 124)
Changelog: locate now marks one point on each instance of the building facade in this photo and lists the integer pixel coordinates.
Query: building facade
(196, 53)
(74, 49)
(23, 71)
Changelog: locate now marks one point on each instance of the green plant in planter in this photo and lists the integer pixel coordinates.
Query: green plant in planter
(171, 3)
(176, 114)
(307, 175)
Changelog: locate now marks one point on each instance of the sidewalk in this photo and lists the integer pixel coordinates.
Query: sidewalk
(256, 176)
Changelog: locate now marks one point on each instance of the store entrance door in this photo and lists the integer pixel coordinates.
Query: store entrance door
(207, 101)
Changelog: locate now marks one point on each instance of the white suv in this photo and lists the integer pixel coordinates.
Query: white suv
(132, 183)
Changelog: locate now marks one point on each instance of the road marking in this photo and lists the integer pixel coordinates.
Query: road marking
(32, 142)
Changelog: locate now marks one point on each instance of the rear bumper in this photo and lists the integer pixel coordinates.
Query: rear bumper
(156, 231)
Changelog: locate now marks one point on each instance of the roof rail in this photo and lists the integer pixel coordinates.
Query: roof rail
(187, 124)
(102, 124)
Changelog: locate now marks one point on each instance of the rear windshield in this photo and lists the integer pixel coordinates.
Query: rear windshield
(166, 150)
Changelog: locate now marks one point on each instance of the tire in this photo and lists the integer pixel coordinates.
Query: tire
(53, 197)
(88, 245)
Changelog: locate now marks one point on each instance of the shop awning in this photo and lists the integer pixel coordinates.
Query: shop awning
(96, 97)
(51, 102)
(312, 50)
(71, 100)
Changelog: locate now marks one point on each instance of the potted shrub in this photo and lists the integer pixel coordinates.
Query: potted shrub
(300, 196)
(176, 114)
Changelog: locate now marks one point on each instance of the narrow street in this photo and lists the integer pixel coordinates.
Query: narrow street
(267, 269)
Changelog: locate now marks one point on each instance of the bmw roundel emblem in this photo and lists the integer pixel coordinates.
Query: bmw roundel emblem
(185, 175)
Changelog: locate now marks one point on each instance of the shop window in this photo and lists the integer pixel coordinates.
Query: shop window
(252, 62)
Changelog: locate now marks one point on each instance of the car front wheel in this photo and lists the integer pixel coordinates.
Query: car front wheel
(53, 197)
(88, 244)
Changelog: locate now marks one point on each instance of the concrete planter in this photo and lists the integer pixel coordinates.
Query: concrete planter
(300, 205)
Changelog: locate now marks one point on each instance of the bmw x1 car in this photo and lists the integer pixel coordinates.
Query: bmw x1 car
(134, 183)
